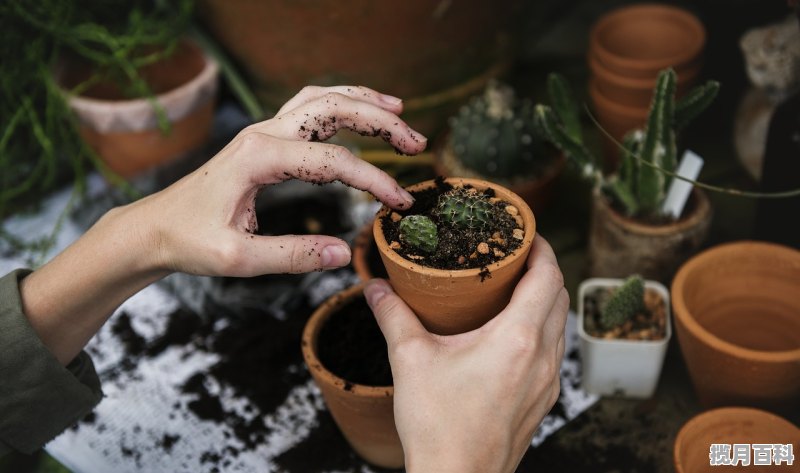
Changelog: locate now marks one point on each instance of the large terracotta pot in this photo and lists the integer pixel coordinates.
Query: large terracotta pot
(455, 301)
(537, 192)
(620, 246)
(637, 41)
(433, 55)
(364, 414)
(731, 425)
(737, 315)
(125, 133)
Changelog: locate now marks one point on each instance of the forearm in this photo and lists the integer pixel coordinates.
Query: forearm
(70, 297)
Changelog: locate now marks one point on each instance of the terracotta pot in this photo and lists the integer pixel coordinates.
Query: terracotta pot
(731, 425)
(364, 414)
(455, 301)
(125, 133)
(614, 367)
(620, 246)
(617, 120)
(737, 314)
(537, 192)
(636, 93)
(432, 55)
(638, 41)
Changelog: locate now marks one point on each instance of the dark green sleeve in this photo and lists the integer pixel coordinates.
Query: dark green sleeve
(39, 398)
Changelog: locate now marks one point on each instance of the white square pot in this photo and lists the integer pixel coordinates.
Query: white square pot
(627, 368)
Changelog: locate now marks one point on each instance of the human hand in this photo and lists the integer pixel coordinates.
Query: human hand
(472, 402)
(205, 223)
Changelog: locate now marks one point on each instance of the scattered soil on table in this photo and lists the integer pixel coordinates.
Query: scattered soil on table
(649, 324)
(458, 248)
(352, 347)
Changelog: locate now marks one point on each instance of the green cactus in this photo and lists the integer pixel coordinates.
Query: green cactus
(495, 136)
(623, 304)
(420, 232)
(640, 184)
(460, 208)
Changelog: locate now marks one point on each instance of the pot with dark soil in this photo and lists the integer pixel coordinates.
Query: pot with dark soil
(456, 255)
(347, 356)
(624, 326)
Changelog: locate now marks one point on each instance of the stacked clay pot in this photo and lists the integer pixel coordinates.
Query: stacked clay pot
(627, 49)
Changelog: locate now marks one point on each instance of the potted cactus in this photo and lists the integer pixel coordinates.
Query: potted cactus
(630, 233)
(624, 329)
(493, 137)
(456, 255)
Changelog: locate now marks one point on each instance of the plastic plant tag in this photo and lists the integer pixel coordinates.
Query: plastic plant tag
(678, 193)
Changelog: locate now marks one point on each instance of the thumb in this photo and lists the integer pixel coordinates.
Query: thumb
(396, 320)
(294, 254)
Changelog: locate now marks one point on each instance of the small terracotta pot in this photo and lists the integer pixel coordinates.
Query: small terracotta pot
(636, 93)
(638, 41)
(536, 192)
(731, 425)
(364, 414)
(737, 316)
(455, 301)
(125, 133)
(620, 246)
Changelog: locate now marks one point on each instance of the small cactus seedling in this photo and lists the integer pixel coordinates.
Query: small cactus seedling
(495, 135)
(650, 155)
(623, 304)
(420, 232)
(460, 208)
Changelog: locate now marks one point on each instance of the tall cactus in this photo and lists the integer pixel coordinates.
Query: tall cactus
(494, 134)
(460, 208)
(640, 184)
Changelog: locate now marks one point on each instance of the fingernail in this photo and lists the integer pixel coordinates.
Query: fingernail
(374, 291)
(418, 137)
(406, 196)
(390, 99)
(335, 256)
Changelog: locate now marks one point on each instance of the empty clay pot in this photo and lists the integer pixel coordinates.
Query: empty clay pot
(455, 301)
(635, 92)
(124, 132)
(620, 246)
(737, 316)
(638, 41)
(364, 414)
(731, 425)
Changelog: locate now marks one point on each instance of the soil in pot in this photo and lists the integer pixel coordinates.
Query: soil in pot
(458, 247)
(648, 324)
(352, 346)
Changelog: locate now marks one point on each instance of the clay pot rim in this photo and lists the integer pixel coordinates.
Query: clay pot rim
(592, 283)
(309, 346)
(723, 414)
(602, 101)
(208, 73)
(701, 209)
(683, 314)
(632, 13)
(601, 72)
(524, 210)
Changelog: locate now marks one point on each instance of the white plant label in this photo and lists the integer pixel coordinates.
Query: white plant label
(679, 190)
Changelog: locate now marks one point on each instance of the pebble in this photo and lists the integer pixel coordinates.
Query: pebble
(512, 210)
(520, 222)
(499, 253)
(483, 248)
(473, 255)
(394, 245)
(494, 200)
(395, 217)
(519, 234)
(462, 259)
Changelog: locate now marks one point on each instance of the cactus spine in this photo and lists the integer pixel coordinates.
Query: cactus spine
(624, 303)
(460, 208)
(494, 135)
(642, 180)
(420, 232)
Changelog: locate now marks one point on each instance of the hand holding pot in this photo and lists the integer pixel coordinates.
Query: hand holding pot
(472, 402)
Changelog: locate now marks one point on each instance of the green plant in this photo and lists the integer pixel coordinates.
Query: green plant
(623, 303)
(494, 134)
(420, 232)
(460, 207)
(649, 156)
